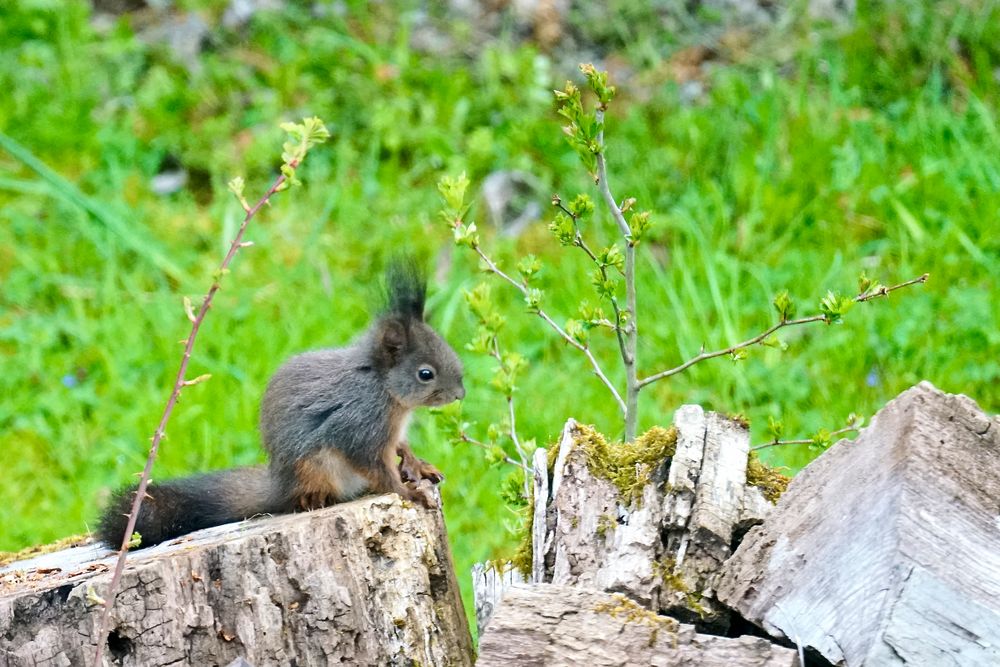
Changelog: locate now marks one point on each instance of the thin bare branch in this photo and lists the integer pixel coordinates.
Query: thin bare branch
(493, 268)
(884, 291)
(729, 350)
(179, 383)
(861, 298)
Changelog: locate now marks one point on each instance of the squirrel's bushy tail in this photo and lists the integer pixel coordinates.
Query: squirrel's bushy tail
(178, 506)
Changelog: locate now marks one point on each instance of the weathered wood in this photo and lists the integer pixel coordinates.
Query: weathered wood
(488, 587)
(369, 583)
(711, 455)
(540, 478)
(550, 625)
(886, 550)
(665, 549)
(596, 541)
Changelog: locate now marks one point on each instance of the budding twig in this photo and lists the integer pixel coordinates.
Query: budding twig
(630, 349)
(806, 441)
(582, 245)
(179, 383)
(493, 268)
(861, 298)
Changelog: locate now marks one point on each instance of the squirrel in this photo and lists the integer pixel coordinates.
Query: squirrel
(333, 423)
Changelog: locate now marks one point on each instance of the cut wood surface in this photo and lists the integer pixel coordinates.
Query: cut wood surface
(369, 582)
(548, 625)
(886, 550)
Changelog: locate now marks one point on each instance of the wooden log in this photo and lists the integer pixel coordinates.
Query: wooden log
(598, 541)
(489, 583)
(369, 582)
(709, 503)
(550, 625)
(665, 548)
(886, 550)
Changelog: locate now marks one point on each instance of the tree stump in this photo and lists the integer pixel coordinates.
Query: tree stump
(663, 539)
(548, 625)
(886, 550)
(369, 582)
(664, 546)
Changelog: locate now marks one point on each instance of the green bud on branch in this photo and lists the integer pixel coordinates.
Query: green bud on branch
(834, 306)
(528, 267)
(784, 305)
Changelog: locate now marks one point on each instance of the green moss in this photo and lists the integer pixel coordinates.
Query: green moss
(765, 478)
(631, 612)
(523, 555)
(605, 523)
(740, 419)
(629, 466)
(665, 570)
(551, 455)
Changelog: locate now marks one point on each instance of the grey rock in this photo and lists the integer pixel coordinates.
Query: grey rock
(513, 200)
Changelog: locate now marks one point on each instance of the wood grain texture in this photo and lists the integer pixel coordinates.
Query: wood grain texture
(547, 625)
(665, 550)
(369, 582)
(886, 550)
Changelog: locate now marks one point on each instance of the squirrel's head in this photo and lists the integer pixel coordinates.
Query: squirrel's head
(420, 367)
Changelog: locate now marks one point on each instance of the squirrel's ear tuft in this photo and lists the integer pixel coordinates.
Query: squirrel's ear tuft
(405, 289)
(391, 340)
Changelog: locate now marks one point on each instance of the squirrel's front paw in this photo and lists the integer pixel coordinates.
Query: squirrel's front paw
(421, 492)
(414, 470)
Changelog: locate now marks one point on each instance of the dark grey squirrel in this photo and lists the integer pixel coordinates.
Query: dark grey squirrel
(333, 423)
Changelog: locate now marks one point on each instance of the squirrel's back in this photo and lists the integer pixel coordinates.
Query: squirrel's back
(325, 398)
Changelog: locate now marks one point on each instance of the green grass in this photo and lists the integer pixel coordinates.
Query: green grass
(876, 149)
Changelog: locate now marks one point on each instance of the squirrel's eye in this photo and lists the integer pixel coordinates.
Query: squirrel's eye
(425, 374)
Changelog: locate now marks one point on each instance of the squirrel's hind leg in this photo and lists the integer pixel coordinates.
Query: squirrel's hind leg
(324, 478)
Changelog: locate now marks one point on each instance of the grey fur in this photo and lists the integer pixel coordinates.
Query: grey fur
(350, 398)
(355, 400)
(405, 289)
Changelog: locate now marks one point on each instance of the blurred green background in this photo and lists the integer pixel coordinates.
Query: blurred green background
(788, 156)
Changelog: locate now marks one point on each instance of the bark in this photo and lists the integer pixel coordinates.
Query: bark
(664, 550)
(886, 550)
(595, 541)
(550, 625)
(369, 583)
(488, 587)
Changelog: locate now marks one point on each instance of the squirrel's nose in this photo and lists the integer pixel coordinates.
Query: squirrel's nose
(460, 394)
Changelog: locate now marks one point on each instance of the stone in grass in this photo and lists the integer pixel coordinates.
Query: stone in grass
(886, 550)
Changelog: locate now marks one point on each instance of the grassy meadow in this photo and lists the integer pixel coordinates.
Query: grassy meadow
(812, 155)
